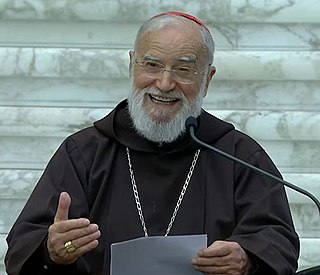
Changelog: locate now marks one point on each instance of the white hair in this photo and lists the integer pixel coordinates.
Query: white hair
(167, 19)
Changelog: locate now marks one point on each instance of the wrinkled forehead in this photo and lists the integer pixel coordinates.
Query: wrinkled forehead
(173, 41)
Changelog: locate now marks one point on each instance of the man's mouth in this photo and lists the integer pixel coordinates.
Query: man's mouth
(162, 99)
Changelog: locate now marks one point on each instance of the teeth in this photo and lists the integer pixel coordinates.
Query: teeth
(165, 99)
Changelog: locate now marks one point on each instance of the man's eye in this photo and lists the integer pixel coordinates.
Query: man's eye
(183, 69)
(152, 65)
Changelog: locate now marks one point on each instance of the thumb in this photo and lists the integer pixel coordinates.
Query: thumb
(63, 207)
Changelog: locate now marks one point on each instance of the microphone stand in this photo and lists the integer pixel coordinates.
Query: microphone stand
(256, 169)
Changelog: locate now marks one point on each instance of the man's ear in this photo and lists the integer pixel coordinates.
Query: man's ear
(131, 56)
(210, 74)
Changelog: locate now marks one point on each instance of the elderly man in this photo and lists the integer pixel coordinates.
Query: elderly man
(137, 172)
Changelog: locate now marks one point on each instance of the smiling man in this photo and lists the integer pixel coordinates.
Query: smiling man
(169, 80)
(137, 173)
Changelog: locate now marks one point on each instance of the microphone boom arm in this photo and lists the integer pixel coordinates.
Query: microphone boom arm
(254, 168)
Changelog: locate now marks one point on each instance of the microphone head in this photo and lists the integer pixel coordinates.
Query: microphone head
(191, 122)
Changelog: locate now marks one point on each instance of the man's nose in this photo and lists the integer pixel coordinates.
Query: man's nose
(165, 81)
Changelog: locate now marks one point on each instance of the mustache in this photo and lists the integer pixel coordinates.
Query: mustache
(154, 91)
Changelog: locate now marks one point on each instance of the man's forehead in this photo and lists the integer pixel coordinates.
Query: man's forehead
(180, 46)
(172, 34)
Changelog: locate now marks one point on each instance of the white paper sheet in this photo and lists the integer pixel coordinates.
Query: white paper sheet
(156, 255)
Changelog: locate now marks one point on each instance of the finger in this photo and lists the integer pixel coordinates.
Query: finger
(71, 257)
(63, 207)
(65, 226)
(217, 249)
(213, 261)
(87, 247)
(82, 245)
(84, 240)
(63, 257)
(80, 232)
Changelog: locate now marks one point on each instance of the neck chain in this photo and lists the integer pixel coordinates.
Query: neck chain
(183, 191)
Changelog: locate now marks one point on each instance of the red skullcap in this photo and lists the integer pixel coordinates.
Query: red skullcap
(183, 14)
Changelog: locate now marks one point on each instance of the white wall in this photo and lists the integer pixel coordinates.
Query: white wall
(64, 64)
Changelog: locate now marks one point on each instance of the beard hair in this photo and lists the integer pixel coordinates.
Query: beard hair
(164, 131)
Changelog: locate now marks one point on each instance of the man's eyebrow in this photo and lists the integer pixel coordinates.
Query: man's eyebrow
(150, 57)
(190, 58)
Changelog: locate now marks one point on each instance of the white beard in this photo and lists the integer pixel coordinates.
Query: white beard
(163, 131)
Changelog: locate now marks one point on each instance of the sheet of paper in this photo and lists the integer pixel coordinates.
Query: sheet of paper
(156, 255)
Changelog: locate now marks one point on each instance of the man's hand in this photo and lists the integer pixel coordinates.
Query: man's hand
(82, 234)
(223, 258)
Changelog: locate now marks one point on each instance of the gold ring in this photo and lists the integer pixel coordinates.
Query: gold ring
(70, 247)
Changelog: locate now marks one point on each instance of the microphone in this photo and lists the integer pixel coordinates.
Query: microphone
(192, 125)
